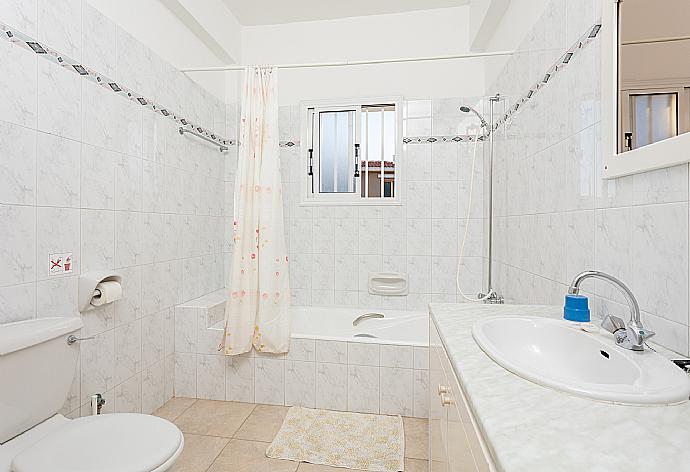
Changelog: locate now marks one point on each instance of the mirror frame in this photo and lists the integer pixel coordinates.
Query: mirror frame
(667, 153)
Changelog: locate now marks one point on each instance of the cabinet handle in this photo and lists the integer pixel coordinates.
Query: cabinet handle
(446, 399)
(442, 389)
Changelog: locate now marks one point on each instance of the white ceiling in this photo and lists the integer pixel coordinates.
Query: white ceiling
(268, 12)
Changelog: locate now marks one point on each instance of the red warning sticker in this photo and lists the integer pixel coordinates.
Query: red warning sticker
(61, 263)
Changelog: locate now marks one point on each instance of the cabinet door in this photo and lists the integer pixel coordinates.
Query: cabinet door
(473, 435)
(460, 455)
(438, 414)
(458, 450)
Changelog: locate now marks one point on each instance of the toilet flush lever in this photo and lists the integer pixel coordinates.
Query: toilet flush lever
(71, 339)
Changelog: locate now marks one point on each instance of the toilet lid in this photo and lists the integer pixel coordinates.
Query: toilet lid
(122, 442)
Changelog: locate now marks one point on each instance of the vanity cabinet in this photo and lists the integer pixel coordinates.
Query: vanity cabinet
(455, 442)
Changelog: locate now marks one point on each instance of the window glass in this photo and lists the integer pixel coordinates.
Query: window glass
(336, 151)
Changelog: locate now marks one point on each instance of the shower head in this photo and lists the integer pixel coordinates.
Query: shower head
(469, 109)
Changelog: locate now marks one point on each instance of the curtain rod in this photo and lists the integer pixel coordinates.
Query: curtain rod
(358, 63)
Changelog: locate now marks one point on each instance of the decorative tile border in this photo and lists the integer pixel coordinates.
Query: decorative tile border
(22, 40)
(559, 65)
(462, 138)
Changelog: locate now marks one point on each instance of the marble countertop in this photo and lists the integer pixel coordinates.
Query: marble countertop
(533, 428)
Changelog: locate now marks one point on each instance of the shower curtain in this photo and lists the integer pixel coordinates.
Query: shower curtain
(257, 311)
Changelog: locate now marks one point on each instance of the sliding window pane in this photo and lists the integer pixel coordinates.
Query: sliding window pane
(336, 151)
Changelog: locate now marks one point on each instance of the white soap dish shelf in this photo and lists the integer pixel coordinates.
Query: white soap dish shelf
(389, 283)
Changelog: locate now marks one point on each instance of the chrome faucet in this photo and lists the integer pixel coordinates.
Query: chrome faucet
(631, 336)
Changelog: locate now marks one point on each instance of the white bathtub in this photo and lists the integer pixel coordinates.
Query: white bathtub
(330, 364)
(335, 324)
(407, 328)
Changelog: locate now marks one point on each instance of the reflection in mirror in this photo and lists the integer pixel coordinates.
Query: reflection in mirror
(653, 71)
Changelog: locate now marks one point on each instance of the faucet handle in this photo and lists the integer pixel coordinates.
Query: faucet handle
(612, 323)
(639, 334)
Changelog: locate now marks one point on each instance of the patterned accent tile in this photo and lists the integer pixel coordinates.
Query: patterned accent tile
(24, 41)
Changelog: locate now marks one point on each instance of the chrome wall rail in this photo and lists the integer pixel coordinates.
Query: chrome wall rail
(22, 40)
(205, 138)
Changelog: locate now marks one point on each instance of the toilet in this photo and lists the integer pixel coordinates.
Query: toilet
(37, 366)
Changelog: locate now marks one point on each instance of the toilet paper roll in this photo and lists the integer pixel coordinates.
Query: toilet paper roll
(109, 292)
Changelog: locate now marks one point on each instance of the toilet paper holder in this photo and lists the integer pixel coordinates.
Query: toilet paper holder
(87, 287)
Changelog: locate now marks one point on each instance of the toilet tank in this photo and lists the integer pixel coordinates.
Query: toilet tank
(36, 371)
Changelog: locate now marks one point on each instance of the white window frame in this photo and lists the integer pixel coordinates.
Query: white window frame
(307, 198)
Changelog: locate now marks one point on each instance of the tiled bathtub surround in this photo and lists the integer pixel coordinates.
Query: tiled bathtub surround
(89, 172)
(556, 216)
(334, 248)
(336, 375)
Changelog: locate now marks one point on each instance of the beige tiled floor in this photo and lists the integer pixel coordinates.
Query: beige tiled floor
(233, 437)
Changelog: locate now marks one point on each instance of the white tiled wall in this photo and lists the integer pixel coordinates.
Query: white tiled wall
(334, 248)
(83, 170)
(557, 217)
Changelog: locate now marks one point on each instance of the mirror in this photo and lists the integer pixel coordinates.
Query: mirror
(653, 92)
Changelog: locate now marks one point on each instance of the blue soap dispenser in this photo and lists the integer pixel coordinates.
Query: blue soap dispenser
(576, 310)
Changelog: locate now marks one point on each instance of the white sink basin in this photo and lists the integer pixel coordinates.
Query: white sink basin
(555, 354)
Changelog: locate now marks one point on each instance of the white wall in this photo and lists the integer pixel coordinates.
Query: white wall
(219, 22)
(421, 33)
(517, 22)
(161, 31)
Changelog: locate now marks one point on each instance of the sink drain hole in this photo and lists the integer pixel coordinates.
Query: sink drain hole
(605, 354)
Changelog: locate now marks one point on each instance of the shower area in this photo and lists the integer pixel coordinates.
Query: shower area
(385, 211)
(409, 233)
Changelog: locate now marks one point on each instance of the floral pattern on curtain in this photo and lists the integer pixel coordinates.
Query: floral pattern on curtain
(257, 311)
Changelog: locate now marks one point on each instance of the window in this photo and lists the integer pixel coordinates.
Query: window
(352, 152)
(655, 118)
(652, 115)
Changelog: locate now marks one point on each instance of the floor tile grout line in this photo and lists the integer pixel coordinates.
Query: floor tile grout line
(183, 411)
(244, 421)
(223, 437)
(215, 458)
(236, 439)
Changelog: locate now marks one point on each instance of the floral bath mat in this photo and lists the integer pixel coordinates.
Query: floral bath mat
(341, 439)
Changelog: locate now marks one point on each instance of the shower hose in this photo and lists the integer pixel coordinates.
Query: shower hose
(467, 226)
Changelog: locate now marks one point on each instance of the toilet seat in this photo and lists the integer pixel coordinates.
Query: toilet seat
(121, 442)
